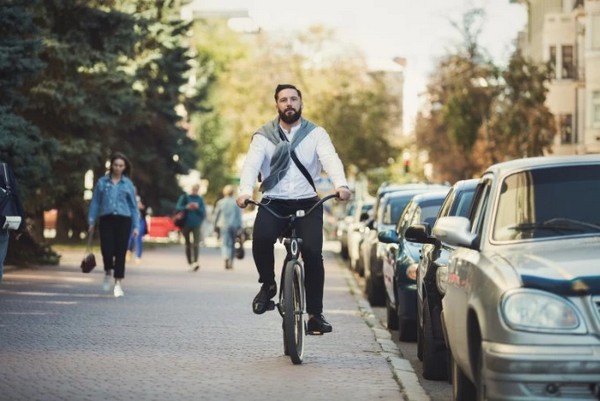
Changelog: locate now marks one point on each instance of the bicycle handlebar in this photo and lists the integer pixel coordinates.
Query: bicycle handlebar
(274, 213)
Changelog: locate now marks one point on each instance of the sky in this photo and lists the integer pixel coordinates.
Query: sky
(418, 30)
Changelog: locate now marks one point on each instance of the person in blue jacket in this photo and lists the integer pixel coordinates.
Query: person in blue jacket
(195, 212)
(228, 219)
(115, 207)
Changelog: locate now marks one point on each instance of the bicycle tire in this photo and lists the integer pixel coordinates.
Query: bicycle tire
(293, 311)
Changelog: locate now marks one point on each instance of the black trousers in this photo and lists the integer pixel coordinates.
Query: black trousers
(268, 228)
(114, 238)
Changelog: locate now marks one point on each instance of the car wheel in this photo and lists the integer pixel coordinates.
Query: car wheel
(462, 388)
(360, 267)
(375, 291)
(392, 316)
(434, 350)
(344, 252)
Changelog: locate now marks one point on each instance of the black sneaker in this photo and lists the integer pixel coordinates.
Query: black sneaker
(318, 325)
(261, 301)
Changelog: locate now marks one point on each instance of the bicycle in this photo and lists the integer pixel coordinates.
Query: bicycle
(291, 305)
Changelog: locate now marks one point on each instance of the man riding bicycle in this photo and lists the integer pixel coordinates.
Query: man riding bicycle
(289, 153)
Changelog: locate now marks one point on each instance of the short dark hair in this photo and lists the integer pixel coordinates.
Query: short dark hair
(281, 87)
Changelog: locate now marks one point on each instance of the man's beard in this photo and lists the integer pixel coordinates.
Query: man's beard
(290, 118)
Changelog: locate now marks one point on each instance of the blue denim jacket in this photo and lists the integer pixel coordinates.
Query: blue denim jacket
(116, 199)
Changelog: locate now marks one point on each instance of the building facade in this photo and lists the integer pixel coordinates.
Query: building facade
(566, 34)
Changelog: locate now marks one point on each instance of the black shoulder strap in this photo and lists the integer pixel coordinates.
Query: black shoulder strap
(300, 166)
(303, 170)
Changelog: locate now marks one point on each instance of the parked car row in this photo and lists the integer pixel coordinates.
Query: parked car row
(521, 313)
(496, 278)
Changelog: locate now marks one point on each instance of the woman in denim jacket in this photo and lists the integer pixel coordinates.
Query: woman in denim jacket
(115, 206)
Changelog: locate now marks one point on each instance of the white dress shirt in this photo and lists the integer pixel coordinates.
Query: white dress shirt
(315, 152)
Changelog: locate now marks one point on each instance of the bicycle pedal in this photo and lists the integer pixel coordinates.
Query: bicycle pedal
(271, 305)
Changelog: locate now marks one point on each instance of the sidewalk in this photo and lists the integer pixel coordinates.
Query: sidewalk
(182, 336)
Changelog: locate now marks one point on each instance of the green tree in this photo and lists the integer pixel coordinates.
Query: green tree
(460, 95)
(81, 79)
(339, 93)
(78, 98)
(21, 144)
(521, 125)
(160, 69)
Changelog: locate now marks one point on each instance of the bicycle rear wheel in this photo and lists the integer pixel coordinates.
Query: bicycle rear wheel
(293, 311)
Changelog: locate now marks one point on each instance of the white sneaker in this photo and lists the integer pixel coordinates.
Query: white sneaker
(107, 282)
(118, 291)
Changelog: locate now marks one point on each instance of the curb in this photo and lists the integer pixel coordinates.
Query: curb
(401, 368)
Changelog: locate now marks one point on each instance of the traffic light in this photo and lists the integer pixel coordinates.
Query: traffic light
(406, 166)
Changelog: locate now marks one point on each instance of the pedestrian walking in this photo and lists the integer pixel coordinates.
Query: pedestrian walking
(10, 207)
(115, 207)
(136, 242)
(289, 152)
(228, 219)
(195, 212)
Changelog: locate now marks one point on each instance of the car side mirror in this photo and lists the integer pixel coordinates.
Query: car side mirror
(387, 236)
(419, 233)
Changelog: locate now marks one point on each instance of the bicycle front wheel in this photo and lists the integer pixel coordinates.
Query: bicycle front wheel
(293, 310)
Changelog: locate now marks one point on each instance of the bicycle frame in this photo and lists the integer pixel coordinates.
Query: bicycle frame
(291, 305)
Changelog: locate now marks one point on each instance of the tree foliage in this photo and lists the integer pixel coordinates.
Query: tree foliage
(521, 125)
(478, 113)
(339, 93)
(81, 79)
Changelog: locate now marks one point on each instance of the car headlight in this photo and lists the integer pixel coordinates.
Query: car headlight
(441, 279)
(534, 310)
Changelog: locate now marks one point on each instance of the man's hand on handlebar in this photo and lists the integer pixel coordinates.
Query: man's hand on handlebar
(242, 201)
(343, 193)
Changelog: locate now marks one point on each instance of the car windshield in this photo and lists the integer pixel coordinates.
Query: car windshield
(549, 202)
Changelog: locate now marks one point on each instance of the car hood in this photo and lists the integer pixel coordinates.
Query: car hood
(568, 267)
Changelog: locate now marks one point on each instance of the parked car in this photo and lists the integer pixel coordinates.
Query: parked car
(389, 205)
(521, 313)
(162, 228)
(356, 230)
(400, 263)
(343, 227)
(431, 278)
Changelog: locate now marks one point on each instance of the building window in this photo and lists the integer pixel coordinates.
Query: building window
(552, 60)
(565, 125)
(568, 62)
(596, 109)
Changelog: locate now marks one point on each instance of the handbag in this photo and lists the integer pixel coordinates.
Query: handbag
(239, 245)
(89, 259)
(179, 219)
(180, 216)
